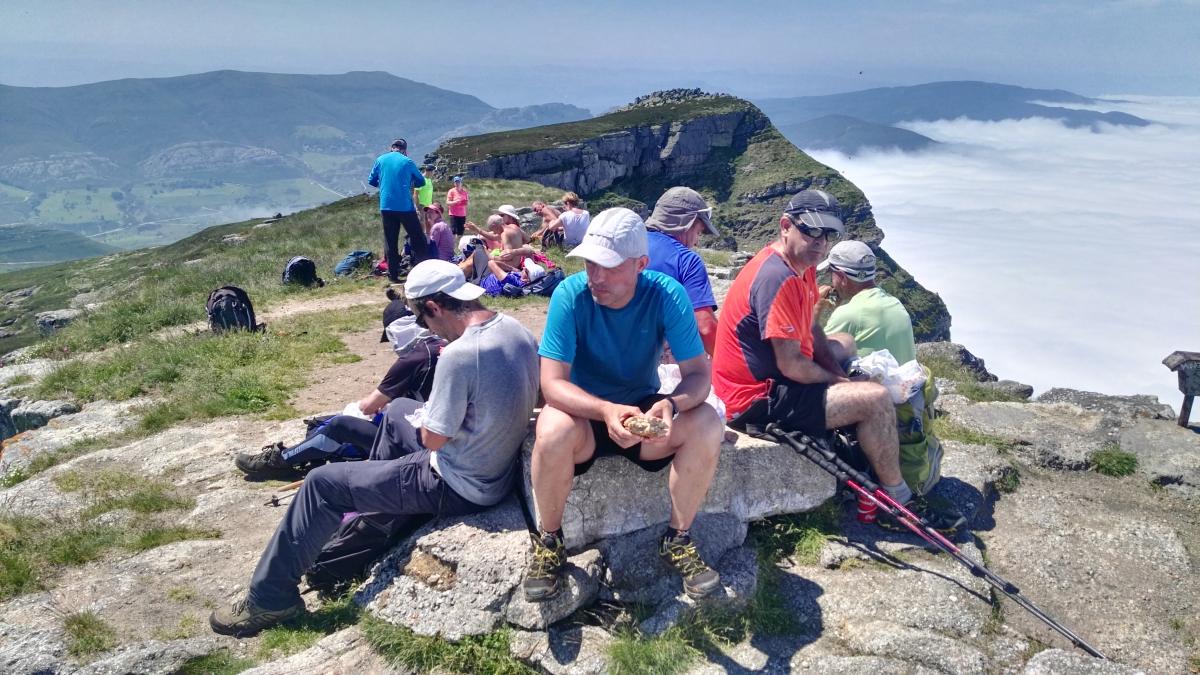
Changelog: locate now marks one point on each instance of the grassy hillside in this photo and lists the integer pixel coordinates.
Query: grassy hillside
(150, 289)
(22, 246)
(851, 135)
(141, 162)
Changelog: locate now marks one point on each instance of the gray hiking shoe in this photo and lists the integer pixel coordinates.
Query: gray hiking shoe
(244, 619)
(546, 560)
(266, 463)
(699, 580)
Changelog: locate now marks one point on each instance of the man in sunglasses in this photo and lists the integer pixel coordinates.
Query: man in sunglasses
(772, 364)
(461, 458)
(680, 216)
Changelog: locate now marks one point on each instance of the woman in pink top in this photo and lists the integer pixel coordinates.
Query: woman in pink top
(457, 199)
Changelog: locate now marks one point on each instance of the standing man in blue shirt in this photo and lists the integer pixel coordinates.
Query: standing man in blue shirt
(600, 350)
(396, 175)
(680, 217)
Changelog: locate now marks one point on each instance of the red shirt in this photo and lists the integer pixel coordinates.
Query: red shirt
(768, 300)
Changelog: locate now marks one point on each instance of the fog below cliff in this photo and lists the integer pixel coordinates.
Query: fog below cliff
(1067, 257)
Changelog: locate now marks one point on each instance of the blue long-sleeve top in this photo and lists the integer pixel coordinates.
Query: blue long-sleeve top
(395, 175)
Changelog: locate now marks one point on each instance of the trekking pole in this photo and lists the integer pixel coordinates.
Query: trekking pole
(823, 456)
(277, 500)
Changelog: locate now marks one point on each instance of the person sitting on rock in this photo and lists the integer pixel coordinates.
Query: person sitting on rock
(865, 312)
(351, 436)
(773, 364)
(513, 240)
(460, 459)
(604, 333)
(549, 216)
(680, 216)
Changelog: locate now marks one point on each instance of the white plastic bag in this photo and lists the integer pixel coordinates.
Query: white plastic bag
(353, 410)
(669, 378)
(901, 381)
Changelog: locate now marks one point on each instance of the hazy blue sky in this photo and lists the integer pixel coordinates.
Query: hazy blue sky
(512, 53)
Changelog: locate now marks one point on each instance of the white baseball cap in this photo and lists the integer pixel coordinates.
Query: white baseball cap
(434, 276)
(613, 237)
(508, 210)
(852, 258)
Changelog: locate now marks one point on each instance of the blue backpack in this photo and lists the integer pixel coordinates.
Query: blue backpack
(352, 261)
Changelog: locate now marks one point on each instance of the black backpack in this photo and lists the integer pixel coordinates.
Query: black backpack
(303, 271)
(229, 308)
(546, 285)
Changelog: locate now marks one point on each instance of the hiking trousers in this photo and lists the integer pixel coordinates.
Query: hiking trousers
(343, 436)
(393, 221)
(396, 480)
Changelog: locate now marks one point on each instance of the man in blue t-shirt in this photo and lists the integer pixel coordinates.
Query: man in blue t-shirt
(680, 217)
(396, 175)
(600, 350)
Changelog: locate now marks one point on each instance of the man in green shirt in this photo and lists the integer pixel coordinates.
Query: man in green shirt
(867, 314)
(423, 196)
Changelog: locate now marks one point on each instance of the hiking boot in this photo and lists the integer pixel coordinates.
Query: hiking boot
(678, 551)
(941, 514)
(244, 619)
(542, 578)
(267, 463)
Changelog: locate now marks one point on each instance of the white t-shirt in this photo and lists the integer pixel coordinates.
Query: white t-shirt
(575, 224)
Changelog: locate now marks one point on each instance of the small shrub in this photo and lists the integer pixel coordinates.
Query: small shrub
(1009, 480)
(88, 634)
(1111, 460)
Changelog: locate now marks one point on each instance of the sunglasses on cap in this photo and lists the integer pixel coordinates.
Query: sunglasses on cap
(826, 233)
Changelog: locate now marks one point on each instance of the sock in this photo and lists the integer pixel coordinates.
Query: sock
(673, 533)
(899, 492)
(552, 538)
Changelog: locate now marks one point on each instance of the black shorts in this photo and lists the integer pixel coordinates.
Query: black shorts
(605, 447)
(791, 405)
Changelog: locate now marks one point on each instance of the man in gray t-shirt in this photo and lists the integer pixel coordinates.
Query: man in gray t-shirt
(460, 459)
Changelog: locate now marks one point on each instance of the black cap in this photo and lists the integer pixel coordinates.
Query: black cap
(816, 208)
(396, 309)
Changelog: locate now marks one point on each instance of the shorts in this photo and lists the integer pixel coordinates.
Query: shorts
(493, 286)
(791, 405)
(605, 447)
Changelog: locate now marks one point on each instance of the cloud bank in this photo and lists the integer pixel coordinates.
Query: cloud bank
(1067, 257)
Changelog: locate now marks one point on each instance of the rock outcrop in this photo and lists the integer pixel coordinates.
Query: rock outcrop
(720, 145)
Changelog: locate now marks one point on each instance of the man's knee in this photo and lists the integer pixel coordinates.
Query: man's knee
(558, 434)
(703, 429)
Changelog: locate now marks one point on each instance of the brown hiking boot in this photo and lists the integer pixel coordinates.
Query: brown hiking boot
(546, 560)
(699, 580)
(267, 463)
(244, 619)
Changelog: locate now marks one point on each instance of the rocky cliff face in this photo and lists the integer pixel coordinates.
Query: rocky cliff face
(722, 146)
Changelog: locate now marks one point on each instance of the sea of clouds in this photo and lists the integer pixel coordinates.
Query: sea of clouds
(1067, 257)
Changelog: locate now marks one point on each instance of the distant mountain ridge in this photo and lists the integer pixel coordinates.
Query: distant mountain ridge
(856, 120)
(183, 152)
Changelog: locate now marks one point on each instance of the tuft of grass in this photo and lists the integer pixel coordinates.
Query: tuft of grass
(187, 627)
(163, 535)
(181, 594)
(798, 536)
(714, 258)
(88, 634)
(221, 662)
(113, 489)
(981, 393)
(665, 654)
(305, 631)
(1009, 481)
(18, 380)
(947, 430)
(477, 654)
(1111, 460)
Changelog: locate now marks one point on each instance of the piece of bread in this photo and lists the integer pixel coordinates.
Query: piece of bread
(646, 427)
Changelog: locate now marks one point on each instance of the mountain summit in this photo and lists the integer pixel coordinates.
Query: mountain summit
(722, 146)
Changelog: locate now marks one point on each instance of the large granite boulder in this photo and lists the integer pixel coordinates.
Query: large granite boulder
(755, 479)
(955, 353)
(1167, 453)
(1128, 407)
(36, 414)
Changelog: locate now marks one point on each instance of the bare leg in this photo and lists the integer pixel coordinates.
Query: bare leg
(868, 406)
(695, 440)
(560, 442)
